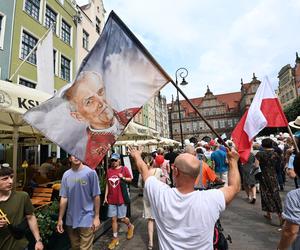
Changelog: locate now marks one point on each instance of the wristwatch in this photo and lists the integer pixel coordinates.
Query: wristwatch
(39, 240)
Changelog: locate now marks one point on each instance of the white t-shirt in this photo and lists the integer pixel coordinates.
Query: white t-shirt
(184, 221)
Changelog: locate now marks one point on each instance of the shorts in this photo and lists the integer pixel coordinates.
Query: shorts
(118, 211)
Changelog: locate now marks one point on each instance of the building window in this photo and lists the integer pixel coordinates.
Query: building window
(98, 25)
(32, 7)
(230, 123)
(2, 28)
(215, 124)
(65, 68)
(28, 43)
(50, 18)
(222, 124)
(66, 32)
(54, 61)
(85, 40)
(27, 83)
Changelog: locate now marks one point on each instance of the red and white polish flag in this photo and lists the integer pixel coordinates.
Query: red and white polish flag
(265, 111)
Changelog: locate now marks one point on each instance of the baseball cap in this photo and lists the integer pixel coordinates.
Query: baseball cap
(115, 156)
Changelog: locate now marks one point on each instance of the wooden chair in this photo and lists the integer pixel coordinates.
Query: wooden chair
(41, 196)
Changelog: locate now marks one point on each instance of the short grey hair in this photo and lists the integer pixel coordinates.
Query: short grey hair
(69, 94)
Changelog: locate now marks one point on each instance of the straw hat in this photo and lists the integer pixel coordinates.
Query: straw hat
(296, 123)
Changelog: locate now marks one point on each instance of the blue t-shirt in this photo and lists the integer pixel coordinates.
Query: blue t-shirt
(80, 188)
(219, 157)
(291, 211)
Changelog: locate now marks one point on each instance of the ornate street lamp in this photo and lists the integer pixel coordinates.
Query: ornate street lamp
(182, 73)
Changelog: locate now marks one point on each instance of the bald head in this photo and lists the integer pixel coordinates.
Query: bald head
(188, 164)
(190, 150)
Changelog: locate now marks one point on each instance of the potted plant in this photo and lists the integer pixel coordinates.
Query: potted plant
(47, 218)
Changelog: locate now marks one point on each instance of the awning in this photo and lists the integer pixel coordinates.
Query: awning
(15, 100)
(135, 131)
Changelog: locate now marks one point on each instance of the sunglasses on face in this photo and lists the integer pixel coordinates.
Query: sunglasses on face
(113, 160)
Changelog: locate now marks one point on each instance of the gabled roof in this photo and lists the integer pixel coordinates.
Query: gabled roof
(230, 99)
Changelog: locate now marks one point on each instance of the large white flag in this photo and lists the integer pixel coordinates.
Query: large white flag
(45, 71)
(114, 81)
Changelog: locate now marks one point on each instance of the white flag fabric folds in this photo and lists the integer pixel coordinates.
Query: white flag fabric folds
(265, 111)
(45, 68)
(114, 81)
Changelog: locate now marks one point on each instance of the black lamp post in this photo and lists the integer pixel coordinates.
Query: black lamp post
(182, 73)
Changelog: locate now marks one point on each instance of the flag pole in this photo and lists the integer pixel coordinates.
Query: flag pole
(146, 52)
(30, 53)
(290, 131)
(199, 114)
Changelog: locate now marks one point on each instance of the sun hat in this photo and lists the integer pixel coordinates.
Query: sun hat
(296, 123)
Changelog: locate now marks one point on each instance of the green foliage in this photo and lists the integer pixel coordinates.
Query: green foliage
(293, 110)
(47, 218)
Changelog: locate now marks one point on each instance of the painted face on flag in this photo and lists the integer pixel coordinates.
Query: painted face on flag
(88, 101)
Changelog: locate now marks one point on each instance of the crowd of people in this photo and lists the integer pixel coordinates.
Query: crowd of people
(173, 181)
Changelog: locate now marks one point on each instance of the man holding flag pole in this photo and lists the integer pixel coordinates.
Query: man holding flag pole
(131, 76)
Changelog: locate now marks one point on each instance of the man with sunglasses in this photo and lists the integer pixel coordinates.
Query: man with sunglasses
(113, 197)
(185, 218)
(15, 207)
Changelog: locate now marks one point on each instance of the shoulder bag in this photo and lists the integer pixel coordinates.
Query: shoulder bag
(124, 190)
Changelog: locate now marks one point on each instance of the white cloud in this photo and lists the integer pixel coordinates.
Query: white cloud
(219, 42)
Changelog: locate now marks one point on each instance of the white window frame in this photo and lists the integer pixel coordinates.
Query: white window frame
(87, 40)
(26, 79)
(60, 74)
(20, 45)
(71, 32)
(56, 70)
(57, 18)
(2, 30)
(40, 12)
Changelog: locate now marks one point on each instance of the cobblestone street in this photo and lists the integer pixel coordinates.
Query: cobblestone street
(244, 222)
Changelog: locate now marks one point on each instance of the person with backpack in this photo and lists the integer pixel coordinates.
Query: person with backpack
(185, 218)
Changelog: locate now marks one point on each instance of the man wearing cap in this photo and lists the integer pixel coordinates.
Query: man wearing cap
(113, 197)
(79, 194)
(291, 213)
(87, 103)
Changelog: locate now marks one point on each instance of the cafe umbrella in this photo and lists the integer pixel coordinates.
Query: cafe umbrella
(15, 100)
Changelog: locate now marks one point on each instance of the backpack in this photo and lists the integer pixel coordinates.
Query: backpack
(220, 241)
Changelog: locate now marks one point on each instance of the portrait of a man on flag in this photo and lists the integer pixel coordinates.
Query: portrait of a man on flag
(114, 81)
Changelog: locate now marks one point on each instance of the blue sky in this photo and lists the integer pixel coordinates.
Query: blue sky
(219, 42)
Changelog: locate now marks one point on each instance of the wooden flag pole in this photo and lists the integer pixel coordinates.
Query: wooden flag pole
(199, 114)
